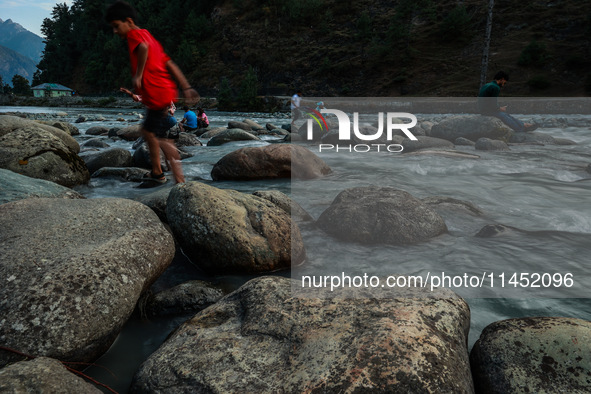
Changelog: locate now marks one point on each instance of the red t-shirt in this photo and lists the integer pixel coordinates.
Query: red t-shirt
(158, 88)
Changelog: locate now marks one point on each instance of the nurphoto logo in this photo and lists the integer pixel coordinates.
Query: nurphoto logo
(392, 122)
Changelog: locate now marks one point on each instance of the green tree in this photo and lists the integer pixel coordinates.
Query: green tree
(456, 26)
(534, 54)
(225, 95)
(249, 89)
(20, 85)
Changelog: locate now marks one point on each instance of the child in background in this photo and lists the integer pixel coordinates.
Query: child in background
(151, 70)
(202, 121)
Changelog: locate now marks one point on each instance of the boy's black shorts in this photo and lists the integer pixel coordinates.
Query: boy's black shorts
(159, 122)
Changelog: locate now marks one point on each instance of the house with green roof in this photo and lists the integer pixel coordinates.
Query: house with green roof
(51, 90)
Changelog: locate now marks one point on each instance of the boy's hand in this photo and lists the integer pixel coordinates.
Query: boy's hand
(191, 96)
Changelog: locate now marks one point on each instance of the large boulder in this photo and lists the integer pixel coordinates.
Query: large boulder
(72, 272)
(15, 187)
(261, 339)
(283, 201)
(130, 133)
(37, 152)
(533, 355)
(228, 231)
(269, 162)
(65, 126)
(380, 215)
(113, 157)
(472, 127)
(42, 375)
(231, 135)
(9, 124)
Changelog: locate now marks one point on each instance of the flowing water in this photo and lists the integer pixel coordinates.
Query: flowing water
(544, 191)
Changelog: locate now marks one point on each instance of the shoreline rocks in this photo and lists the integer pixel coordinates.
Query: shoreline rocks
(261, 339)
(228, 231)
(67, 292)
(268, 162)
(373, 215)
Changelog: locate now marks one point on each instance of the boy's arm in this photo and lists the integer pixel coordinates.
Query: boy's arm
(142, 56)
(189, 93)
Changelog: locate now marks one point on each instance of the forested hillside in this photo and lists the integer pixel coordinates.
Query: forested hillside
(333, 47)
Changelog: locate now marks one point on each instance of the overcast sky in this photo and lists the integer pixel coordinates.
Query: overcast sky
(28, 13)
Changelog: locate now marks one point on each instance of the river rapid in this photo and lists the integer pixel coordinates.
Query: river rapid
(542, 190)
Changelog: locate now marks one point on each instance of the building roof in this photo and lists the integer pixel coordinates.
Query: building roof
(51, 86)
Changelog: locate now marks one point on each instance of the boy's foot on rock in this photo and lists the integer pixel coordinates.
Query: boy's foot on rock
(530, 127)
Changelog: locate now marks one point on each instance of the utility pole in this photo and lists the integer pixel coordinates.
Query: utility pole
(487, 35)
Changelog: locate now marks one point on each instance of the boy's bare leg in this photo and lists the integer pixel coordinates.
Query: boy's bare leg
(154, 147)
(174, 159)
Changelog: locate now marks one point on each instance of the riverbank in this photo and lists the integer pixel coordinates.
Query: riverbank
(264, 104)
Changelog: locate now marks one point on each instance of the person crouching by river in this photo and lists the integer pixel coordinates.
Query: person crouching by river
(202, 120)
(152, 80)
(189, 121)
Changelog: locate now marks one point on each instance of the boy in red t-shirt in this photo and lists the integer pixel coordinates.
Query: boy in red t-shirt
(152, 69)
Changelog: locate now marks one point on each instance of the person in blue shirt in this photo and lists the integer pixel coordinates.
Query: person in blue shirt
(488, 104)
(189, 121)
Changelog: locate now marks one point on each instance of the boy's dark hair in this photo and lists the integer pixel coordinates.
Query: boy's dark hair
(120, 11)
(501, 75)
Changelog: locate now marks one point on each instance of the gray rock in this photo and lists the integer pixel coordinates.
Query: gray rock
(141, 158)
(472, 127)
(42, 375)
(253, 125)
(130, 133)
(239, 125)
(78, 267)
(132, 174)
(271, 126)
(213, 132)
(425, 143)
(261, 339)
(279, 132)
(533, 355)
(488, 144)
(65, 126)
(283, 201)
(188, 297)
(534, 138)
(228, 231)
(95, 143)
(231, 135)
(35, 152)
(14, 187)
(97, 130)
(186, 139)
(270, 162)
(157, 202)
(464, 142)
(564, 141)
(113, 157)
(9, 124)
(380, 215)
